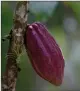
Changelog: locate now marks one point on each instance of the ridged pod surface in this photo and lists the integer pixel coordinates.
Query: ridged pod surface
(44, 53)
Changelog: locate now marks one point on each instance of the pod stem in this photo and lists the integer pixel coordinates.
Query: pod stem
(16, 43)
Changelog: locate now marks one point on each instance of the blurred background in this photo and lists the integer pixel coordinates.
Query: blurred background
(63, 21)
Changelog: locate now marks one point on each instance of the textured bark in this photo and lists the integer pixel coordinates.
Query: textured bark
(16, 43)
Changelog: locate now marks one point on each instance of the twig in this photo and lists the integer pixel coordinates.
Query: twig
(6, 37)
(16, 43)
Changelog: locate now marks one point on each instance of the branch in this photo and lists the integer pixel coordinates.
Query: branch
(16, 43)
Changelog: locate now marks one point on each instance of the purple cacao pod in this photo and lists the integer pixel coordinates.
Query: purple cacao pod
(44, 53)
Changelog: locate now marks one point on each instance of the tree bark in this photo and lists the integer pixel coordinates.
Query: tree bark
(16, 43)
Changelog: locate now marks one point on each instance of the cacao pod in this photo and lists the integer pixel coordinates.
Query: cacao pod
(44, 53)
